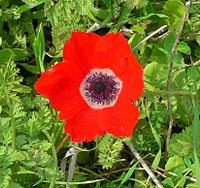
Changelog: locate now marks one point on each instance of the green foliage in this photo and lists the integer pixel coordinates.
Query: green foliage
(175, 10)
(136, 3)
(175, 162)
(65, 16)
(109, 151)
(9, 78)
(19, 23)
(128, 174)
(24, 150)
(182, 144)
(32, 34)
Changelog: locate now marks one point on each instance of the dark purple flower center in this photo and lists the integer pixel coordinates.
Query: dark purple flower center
(100, 88)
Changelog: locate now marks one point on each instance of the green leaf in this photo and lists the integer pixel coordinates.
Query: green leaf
(107, 3)
(20, 54)
(30, 68)
(14, 185)
(192, 185)
(99, 13)
(160, 55)
(196, 167)
(175, 162)
(155, 76)
(169, 182)
(156, 136)
(17, 156)
(193, 73)
(39, 48)
(184, 48)
(29, 6)
(151, 72)
(128, 174)
(135, 39)
(22, 89)
(24, 171)
(175, 10)
(187, 162)
(168, 45)
(46, 145)
(6, 55)
(30, 163)
(139, 19)
(157, 159)
(21, 140)
(181, 182)
(138, 28)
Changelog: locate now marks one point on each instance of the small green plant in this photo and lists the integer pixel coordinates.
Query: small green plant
(109, 151)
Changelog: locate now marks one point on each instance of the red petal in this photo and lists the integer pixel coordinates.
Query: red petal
(110, 50)
(132, 79)
(80, 49)
(92, 51)
(119, 120)
(61, 86)
(86, 126)
(118, 44)
(122, 118)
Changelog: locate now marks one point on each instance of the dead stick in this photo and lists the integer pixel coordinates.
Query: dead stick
(190, 65)
(72, 165)
(169, 80)
(144, 165)
(149, 36)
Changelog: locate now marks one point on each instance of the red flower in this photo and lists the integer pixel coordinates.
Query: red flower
(95, 86)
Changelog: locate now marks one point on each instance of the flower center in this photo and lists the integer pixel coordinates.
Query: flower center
(100, 88)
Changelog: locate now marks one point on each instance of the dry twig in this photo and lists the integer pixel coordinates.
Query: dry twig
(190, 65)
(73, 153)
(94, 27)
(149, 36)
(144, 165)
(72, 165)
(196, 3)
(169, 80)
(162, 35)
(159, 170)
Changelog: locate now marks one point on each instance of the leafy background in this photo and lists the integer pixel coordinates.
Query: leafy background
(32, 140)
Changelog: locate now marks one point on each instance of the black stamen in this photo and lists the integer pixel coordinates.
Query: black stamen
(99, 87)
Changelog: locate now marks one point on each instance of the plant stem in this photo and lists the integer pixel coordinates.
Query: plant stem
(53, 149)
(13, 134)
(143, 163)
(62, 143)
(170, 75)
(12, 123)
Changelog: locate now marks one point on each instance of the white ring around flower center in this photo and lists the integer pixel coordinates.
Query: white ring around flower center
(105, 103)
